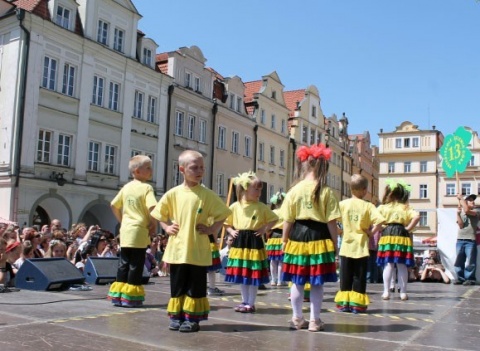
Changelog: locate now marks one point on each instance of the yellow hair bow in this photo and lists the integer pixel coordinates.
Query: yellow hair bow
(244, 179)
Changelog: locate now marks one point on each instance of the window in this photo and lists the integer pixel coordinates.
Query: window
(415, 141)
(391, 167)
(262, 116)
(471, 163)
(63, 17)
(188, 79)
(239, 104)
(319, 137)
(272, 155)
(68, 86)
(423, 166)
(423, 218)
(283, 129)
(93, 156)
(235, 141)
(147, 56)
(406, 142)
(314, 111)
(261, 152)
(114, 93)
(451, 189)
(49, 73)
(248, 146)
(110, 159)
(177, 176)
(43, 146)
(423, 191)
(138, 105)
(179, 123)
(466, 188)
(197, 85)
(191, 127)
(282, 158)
(102, 34)
(151, 109)
(203, 131)
(398, 143)
(273, 124)
(271, 190)
(312, 136)
(407, 167)
(305, 134)
(222, 131)
(232, 101)
(220, 184)
(118, 40)
(63, 150)
(274, 95)
(98, 84)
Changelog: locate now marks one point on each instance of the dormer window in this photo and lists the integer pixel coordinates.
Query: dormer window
(188, 80)
(197, 84)
(102, 34)
(147, 57)
(118, 40)
(63, 17)
(274, 94)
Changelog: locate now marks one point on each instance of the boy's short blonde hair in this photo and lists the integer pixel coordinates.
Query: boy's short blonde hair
(188, 156)
(138, 161)
(358, 182)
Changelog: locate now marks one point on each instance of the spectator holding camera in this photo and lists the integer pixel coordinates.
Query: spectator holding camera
(433, 271)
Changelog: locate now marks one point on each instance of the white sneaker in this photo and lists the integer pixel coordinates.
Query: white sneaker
(215, 292)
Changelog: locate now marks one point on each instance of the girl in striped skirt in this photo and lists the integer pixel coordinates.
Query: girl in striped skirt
(250, 220)
(310, 211)
(274, 242)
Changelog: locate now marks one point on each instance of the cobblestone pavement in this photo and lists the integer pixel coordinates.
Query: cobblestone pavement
(436, 317)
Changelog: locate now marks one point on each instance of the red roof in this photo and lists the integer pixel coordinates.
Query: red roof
(291, 98)
(27, 5)
(251, 88)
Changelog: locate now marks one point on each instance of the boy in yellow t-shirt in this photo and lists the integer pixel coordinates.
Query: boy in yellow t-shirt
(358, 217)
(131, 207)
(185, 212)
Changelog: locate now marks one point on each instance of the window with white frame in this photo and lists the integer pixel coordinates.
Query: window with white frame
(248, 146)
(63, 17)
(314, 111)
(262, 116)
(423, 166)
(138, 104)
(93, 156)
(282, 158)
(118, 39)
(177, 175)
(151, 109)
(44, 143)
(49, 73)
(406, 142)
(191, 127)
(423, 191)
(466, 188)
(102, 33)
(283, 128)
(113, 96)
(273, 124)
(202, 137)
(391, 167)
(188, 79)
(415, 142)
(63, 149)
(68, 86)
(222, 136)
(98, 86)
(261, 152)
(451, 189)
(110, 159)
(471, 162)
(272, 155)
(423, 218)
(239, 104)
(235, 141)
(232, 101)
(147, 57)
(221, 184)
(398, 143)
(305, 134)
(407, 167)
(312, 136)
(179, 120)
(271, 190)
(197, 87)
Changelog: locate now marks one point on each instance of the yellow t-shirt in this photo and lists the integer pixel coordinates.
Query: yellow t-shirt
(279, 224)
(134, 200)
(357, 216)
(298, 204)
(250, 215)
(395, 212)
(188, 207)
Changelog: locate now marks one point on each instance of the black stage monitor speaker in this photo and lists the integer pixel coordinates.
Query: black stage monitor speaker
(48, 274)
(103, 270)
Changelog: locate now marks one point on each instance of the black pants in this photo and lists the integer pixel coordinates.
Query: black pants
(130, 265)
(353, 274)
(188, 279)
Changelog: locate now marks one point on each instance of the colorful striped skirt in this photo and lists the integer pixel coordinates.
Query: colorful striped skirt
(395, 246)
(247, 260)
(274, 246)
(216, 262)
(309, 255)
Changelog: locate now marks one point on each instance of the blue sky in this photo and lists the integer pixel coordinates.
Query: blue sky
(381, 62)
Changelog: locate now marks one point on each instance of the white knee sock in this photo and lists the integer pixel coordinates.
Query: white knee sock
(402, 277)
(316, 299)
(274, 270)
(252, 294)
(387, 276)
(211, 279)
(245, 293)
(296, 299)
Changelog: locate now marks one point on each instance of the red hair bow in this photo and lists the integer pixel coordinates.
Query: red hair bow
(315, 151)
